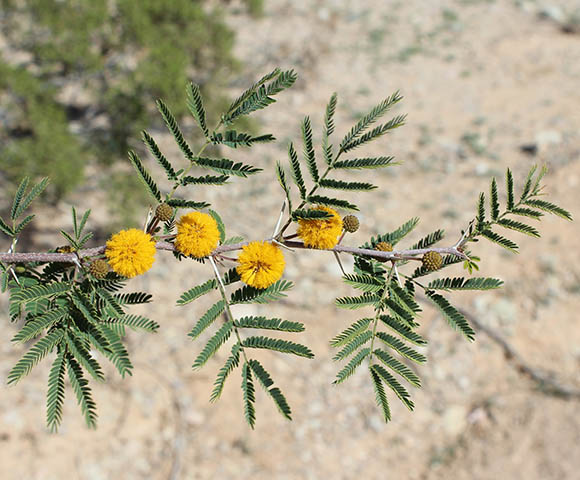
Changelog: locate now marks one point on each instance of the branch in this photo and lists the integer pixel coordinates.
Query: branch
(543, 380)
(164, 245)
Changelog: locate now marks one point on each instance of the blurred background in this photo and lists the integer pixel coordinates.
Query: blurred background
(487, 84)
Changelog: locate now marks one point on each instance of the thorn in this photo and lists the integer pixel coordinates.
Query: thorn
(397, 275)
(277, 227)
(280, 244)
(339, 262)
(148, 219)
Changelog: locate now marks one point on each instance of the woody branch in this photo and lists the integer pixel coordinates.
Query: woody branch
(411, 254)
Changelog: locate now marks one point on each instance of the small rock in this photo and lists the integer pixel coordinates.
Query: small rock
(376, 423)
(464, 382)
(481, 305)
(548, 263)
(316, 408)
(455, 419)
(529, 148)
(479, 417)
(505, 310)
(195, 417)
(548, 138)
(323, 14)
(481, 169)
(552, 12)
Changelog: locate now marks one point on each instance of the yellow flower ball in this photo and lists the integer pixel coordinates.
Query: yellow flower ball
(130, 252)
(197, 234)
(322, 233)
(260, 264)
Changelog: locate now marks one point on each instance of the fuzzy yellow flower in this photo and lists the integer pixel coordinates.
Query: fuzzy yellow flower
(321, 233)
(197, 234)
(130, 252)
(260, 264)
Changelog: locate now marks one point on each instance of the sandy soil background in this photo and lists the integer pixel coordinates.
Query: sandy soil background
(480, 79)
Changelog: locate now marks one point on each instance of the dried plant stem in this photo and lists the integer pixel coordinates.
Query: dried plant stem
(544, 380)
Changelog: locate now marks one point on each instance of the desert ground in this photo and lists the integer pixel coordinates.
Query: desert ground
(480, 80)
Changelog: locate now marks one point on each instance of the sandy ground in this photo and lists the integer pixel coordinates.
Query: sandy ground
(480, 79)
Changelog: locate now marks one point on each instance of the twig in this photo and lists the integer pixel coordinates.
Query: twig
(543, 380)
(413, 254)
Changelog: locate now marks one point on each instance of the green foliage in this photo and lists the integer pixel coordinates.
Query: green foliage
(353, 139)
(249, 395)
(405, 331)
(351, 332)
(37, 325)
(248, 294)
(332, 202)
(527, 206)
(429, 240)
(38, 292)
(182, 203)
(349, 369)
(393, 237)
(144, 176)
(85, 45)
(163, 162)
(55, 393)
(82, 391)
(78, 239)
(207, 319)
(400, 347)
(174, 129)
(448, 260)
(260, 95)
(269, 324)
(205, 180)
(283, 346)
(36, 140)
(195, 106)
(72, 315)
(281, 176)
(394, 385)
(136, 322)
(309, 150)
(380, 395)
(231, 363)
(78, 319)
(213, 345)
(364, 163)
(398, 367)
(39, 350)
(21, 202)
(352, 186)
(296, 171)
(303, 214)
(233, 139)
(460, 283)
(452, 315)
(353, 303)
(223, 165)
(197, 291)
(329, 128)
(354, 344)
(275, 393)
(366, 283)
